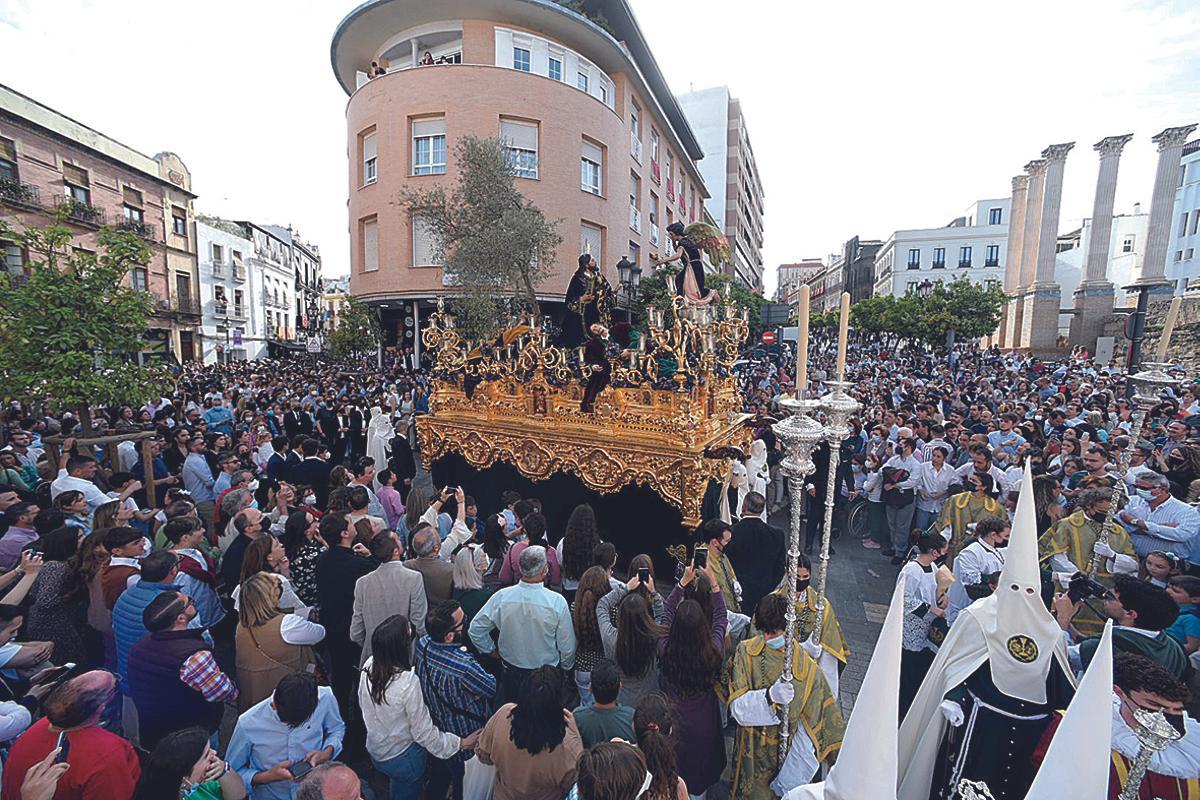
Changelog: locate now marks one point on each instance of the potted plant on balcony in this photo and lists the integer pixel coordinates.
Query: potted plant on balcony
(15, 191)
(79, 210)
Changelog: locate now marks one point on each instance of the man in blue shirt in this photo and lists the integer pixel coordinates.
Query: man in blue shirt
(534, 625)
(198, 480)
(219, 417)
(299, 722)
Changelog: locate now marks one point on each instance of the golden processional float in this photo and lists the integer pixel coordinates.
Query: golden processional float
(666, 420)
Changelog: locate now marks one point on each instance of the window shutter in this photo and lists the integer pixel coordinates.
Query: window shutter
(370, 245)
(75, 175)
(132, 196)
(592, 153)
(429, 127)
(522, 135)
(424, 249)
(369, 146)
(8, 149)
(589, 241)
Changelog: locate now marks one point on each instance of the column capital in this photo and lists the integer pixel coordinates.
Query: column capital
(1111, 146)
(1172, 137)
(1020, 183)
(1057, 152)
(1035, 167)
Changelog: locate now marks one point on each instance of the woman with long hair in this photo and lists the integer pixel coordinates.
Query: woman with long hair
(270, 642)
(415, 505)
(1047, 502)
(58, 607)
(690, 659)
(400, 731)
(654, 730)
(185, 765)
(1183, 468)
(533, 743)
(633, 642)
(495, 546)
(73, 505)
(302, 545)
(113, 514)
(589, 646)
(266, 554)
(470, 564)
(610, 771)
(575, 548)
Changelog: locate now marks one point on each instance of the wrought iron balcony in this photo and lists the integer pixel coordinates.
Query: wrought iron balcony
(137, 227)
(15, 193)
(239, 272)
(80, 212)
(186, 305)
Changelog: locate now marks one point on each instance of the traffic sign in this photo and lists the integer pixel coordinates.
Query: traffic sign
(768, 337)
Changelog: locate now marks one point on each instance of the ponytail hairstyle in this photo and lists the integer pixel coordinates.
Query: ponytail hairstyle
(653, 729)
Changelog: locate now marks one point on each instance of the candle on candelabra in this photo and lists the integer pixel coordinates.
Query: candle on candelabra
(581, 357)
(632, 359)
(802, 344)
(843, 335)
(1164, 341)
(745, 315)
(641, 342)
(727, 286)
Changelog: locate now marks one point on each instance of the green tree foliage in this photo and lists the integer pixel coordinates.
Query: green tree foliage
(357, 333)
(493, 242)
(967, 308)
(70, 331)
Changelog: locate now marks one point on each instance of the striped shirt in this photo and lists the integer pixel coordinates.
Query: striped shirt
(1172, 526)
(457, 690)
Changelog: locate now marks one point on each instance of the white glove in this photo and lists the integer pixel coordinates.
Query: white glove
(782, 691)
(812, 645)
(947, 533)
(1103, 550)
(1064, 578)
(952, 711)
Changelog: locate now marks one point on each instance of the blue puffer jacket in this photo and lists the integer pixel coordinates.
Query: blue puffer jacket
(127, 619)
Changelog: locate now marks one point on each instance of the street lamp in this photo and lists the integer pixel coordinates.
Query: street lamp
(624, 267)
(630, 276)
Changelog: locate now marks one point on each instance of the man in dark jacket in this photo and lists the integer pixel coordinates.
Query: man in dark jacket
(173, 677)
(757, 551)
(313, 471)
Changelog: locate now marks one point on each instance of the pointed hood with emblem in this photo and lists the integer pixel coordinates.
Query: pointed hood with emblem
(866, 765)
(1022, 633)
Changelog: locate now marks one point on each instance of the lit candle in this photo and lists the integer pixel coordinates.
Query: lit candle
(802, 345)
(745, 315)
(641, 342)
(727, 290)
(1164, 341)
(843, 335)
(632, 360)
(581, 357)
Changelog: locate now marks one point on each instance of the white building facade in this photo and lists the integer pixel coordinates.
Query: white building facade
(973, 246)
(731, 174)
(1183, 253)
(1125, 250)
(232, 326)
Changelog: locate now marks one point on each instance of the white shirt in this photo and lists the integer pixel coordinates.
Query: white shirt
(1172, 526)
(970, 565)
(91, 492)
(459, 533)
(920, 588)
(401, 720)
(296, 630)
(998, 477)
(933, 482)
(287, 599)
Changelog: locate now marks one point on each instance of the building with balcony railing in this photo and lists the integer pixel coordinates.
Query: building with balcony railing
(52, 166)
(731, 174)
(583, 108)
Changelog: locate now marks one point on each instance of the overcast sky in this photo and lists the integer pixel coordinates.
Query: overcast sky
(865, 117)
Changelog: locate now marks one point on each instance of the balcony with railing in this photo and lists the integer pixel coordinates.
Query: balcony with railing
(220, 308)
(186, 304)
(237, 312)
(654, 234)
(136, 227)
(992, 262)
(14, 192)
(655, 171)
(219, 270)
(964, 263)
(239, 272)
(635, 146)
(79, 212)
(635, 219)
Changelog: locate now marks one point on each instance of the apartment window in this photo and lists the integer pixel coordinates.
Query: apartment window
(654, 145)
(1187, 255)
(914, 259)
(178, 221)
(1127, 244)
(425, 249)
(520, 141)
(603, 94)
(429, 146)
(910, 287)
(939, 257)
(1183, 221)
(635, 253)
(581, 81)
(992, 256)
(131, 196)
(590, 239)
(635, 114)
(238, 301)
(14, 259)
(521, 59)
(140, 279)
(635, 190)
(133, 215)
(370, 159)
(218, 254)
(555, 70)
(76, 184)
(369, 240)
(994, 216)
(592, 161)
(1195, 221)
(964, 256)
(8, 159)
(1179, 255)
(653, 208)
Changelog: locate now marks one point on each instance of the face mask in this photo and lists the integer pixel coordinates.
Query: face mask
(252, 486)
(254, 504)
(1145, 494)
(147, 547)
(1176, 722)
(775, 642)
(802, 586)
(310, 499)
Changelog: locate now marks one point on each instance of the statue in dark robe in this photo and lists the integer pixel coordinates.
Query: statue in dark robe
(596, 365)
(589, 301)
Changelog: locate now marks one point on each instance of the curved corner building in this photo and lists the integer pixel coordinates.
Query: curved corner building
(596, 138)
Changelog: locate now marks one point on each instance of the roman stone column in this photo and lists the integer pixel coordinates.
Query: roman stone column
(1032, 229)
(1043, 296)
(1012, 270)
(1162, 208)
(1093, 302)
